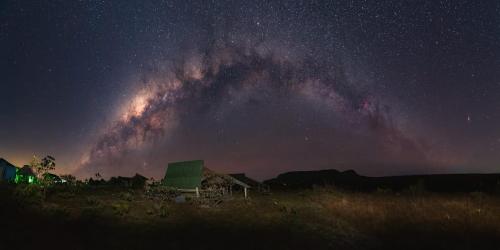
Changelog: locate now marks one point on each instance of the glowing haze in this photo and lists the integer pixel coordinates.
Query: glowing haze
(384, 88)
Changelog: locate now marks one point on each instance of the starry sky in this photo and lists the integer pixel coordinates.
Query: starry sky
(382, 87)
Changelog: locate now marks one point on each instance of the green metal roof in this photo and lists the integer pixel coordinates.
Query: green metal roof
(184, 175)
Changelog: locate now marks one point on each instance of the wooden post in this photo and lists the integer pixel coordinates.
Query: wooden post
(245, 192)
(197, 192)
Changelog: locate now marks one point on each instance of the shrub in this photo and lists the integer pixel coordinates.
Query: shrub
(91, 201)
(126, 196)
(163, 211)
(158, 209)
(159, 192)
(29, 194)
(121, 208)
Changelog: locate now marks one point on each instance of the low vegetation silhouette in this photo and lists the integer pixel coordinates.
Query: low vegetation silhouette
(300, 210)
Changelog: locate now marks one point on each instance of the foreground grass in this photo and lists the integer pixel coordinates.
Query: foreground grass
(312, 219)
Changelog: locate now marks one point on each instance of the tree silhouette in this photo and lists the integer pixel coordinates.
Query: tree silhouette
(43, 166)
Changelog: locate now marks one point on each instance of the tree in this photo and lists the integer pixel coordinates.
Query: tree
(43, 166)
(35, 163)
(48, 163)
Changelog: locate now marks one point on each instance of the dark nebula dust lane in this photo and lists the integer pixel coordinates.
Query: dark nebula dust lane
(384, 88)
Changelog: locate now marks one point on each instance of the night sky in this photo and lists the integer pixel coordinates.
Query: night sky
(381, 87)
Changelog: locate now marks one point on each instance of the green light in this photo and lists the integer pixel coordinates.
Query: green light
(18, 176)
(30, 179)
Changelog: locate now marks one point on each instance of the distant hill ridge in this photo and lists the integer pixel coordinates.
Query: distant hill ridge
(350, 180)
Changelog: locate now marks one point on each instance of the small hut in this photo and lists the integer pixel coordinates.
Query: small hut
(7, 171)
(193, 176)
(216, 181)
(26, 175)
(254, 184)
(53, 178)
(184, 175)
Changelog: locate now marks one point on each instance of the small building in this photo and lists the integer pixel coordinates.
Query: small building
(25, 175)
(184, 175)
(7, 171)
(53, 178)
(254, 184)
(193, 176)
(212, 180)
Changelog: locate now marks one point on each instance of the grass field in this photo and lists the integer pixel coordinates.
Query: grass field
(325, 218)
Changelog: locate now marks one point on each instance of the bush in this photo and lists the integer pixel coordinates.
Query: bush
(29, 194)
(91, 201)
(163, 212)
(59, 189)
(158, 209)
(159, 192)
(121, 208)
(126, 196)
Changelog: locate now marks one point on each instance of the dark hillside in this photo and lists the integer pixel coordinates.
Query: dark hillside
(350, 180)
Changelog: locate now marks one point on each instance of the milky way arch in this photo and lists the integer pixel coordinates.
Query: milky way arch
(207, 86)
